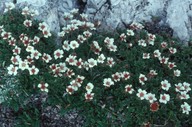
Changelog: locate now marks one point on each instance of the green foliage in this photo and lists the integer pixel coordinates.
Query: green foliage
(111, 105)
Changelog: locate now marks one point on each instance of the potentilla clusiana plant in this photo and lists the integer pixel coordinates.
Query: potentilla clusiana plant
(132, 75)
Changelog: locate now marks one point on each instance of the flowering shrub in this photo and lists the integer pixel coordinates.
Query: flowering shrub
(129, 77)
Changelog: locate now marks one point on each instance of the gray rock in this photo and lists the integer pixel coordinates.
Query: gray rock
(177, 14)
(179, 18)
(2, 5)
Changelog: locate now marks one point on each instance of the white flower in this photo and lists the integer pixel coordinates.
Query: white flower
(72, 27)
(27, 23)
(68, 16)
(136, 26)
(16, 50)
(151, 42)
(171, 65)
(184, 95)
(74, 44)
(87, 34)
(62, 67)
(42, 26)
(35, 54)
(80, 79)
(96, 50)
(66, 45)
(130, 33)
(172, 50)
(177, 73)
(69, 89)
(110, 61)
(151, 38)
(12, 41)
(75, 21)
(86, 65)
(125, 75)
(123, 37)
(150, 97)
(89, 96)
(46, 33)
(46, 57)
(26, 41)
(5, 35)
(43, 87)
(58, 54)
(36, 40)
(186, 108)
(142, 79)
(71, 59)
(92, 62)
(152, 73)
(96, 44)
(12, 70)
(164, 98)
(25, 11)
(142, 43)
(186, 86)
(65, 30)
(108, 82)
(79, 63)
(101, 58)
(81, 38)
(116, 77)
(33, 70)
(157, 53)
(75, 85)
(23, 65)
(163, 60)
(34, 13)
(84, 16)
(61, 34)
(141, 94)
(30, 48)
(1, 28)
(164, 44)
(89, 87)
(112, 48)
(129, 89)
(56, 71)
(74, 11)
(9, 6)
(15, 59)
(179, 87)
(109, 41)
(146, 55)
(90, 25)
(30, 60)
(165, 85)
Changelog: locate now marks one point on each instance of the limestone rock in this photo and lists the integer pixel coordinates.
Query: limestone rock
(177, 14)
(179, 18)
(2, 5)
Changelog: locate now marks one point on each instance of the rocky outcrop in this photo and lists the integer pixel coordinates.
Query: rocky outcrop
(176, 14)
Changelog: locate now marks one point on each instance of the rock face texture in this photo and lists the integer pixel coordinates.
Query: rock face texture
(176, 14)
